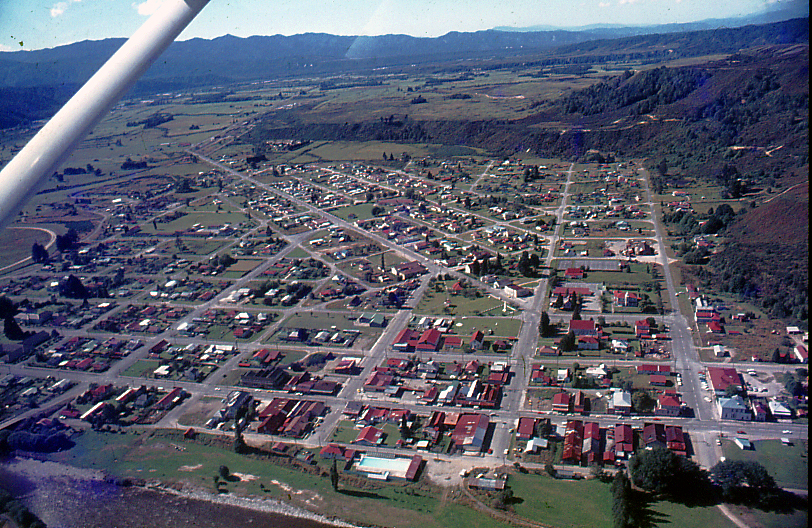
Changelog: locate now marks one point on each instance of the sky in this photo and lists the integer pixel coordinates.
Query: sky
(35, 24)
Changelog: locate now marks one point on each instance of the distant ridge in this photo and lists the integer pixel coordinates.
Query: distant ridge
(199, 63)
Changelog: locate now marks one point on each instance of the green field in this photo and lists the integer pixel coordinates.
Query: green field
(355, 212)
(15, 243)
(789, 465)
(443, 303)
(501, 326)
(142, 367)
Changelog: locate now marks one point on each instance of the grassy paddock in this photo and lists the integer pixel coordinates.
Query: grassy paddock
(788, 465)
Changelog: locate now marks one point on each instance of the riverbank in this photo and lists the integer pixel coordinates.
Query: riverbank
(66, 496)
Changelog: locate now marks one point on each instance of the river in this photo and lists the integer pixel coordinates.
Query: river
(67, 497)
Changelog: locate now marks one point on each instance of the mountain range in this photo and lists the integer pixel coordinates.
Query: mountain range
(33, 84)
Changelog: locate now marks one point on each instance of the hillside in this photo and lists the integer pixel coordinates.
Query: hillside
(766, 257)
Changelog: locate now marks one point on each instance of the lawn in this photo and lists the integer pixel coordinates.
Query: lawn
(205, 218)
(327, 320)
(434, 303)
(356, 212)
(142, 368)
(197, 246)
(586, 503)
(16, 242)
(788, 465)
(502, 326)
(761, 519)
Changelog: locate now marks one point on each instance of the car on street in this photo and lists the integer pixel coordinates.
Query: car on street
(718, 442)
(786, 431)
(741, 432)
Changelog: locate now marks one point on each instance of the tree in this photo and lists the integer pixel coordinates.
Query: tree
(740, 479)
(661, 471)
(405, 433)
(334, 475)
(72, 288)
(545, 329)
(550, 469)
(39, 253)
(224, 472)
(568, 343)
(12, 330)
(731, 390)
(227, 260)
(621, 500)
(559, 301)
(643, 402)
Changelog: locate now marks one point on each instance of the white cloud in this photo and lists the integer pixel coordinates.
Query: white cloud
(147, 7)
(604, 4)
(59, 8)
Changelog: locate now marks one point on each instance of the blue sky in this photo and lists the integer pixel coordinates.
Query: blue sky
(34, 24)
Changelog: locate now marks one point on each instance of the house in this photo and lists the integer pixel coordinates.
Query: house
(620, 346)
(476, 341)
(409, 270)
(378, 382)
(675, 439)
(583, 328)
(526, 428)
(547, 351)
(581, 403)
(514, 290)
(723, 377)
(760, 410)
(623, 440)
(574, 273)
(642, 328)
(653, 435)
(170, 399)
(429, 340)
(573, 441)
(562, 402)
(620, 403)
(405, 340)
(534, 444)
(588, 343)
(469, 431)
(733, 408)
(369, 436)
(779, 410)
(668, 405)
(453, 341)
(716, 327)
(333, 452)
